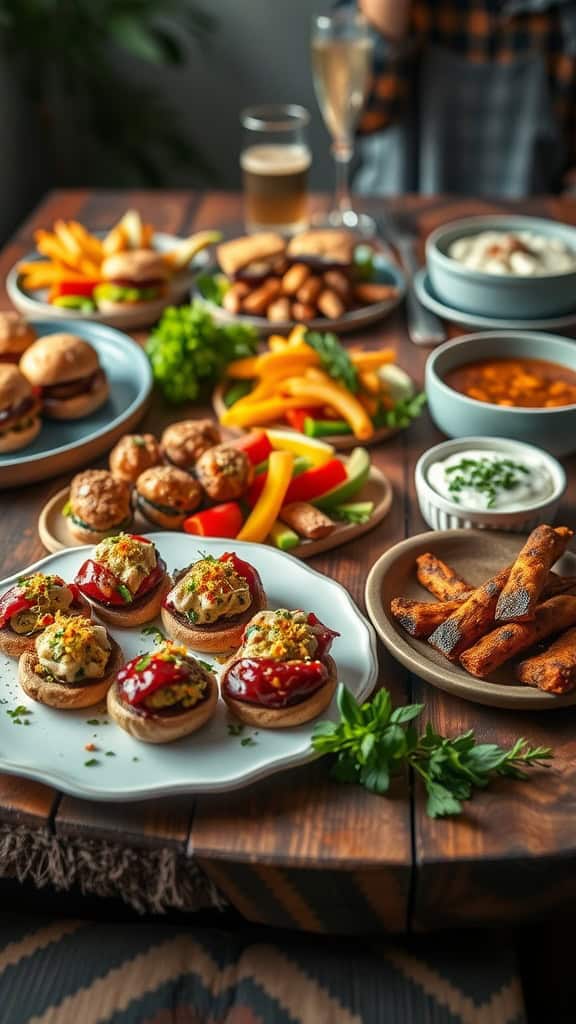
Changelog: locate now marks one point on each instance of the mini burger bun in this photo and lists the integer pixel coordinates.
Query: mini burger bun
(218, 640)
(135, 266)
(59, 695)
(158, 728)
(78, 406)
(57, 359)
(12, 440)
(14, 389)
(171, 488)
(146, 609)
(15, 336)
(284, 718)
(14, 644)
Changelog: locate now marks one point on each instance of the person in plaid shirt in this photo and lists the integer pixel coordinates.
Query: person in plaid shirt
(470, 96)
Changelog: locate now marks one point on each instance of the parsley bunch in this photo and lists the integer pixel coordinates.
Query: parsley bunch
(188, 350)
(374, 741)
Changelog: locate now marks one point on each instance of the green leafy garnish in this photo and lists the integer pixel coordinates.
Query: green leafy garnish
(92, 721)
(374, 741)
(487, 476)
(334, 359)
(154, 632)
(91, 762)
(188, 350)
(235, 728)
(248, 742)
(213, 287)
(124, 593)
(143, 662)
(209, 668)
(404, 412)
(19, 715)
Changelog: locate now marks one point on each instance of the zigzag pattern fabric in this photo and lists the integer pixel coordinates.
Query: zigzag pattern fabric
(83, 972)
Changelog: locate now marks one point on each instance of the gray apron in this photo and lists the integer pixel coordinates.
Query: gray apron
(480, 129)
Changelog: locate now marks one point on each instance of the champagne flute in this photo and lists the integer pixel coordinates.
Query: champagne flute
(342, 52)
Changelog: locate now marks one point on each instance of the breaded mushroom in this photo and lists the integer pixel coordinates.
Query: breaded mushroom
(165, 495)
(225, 472)
(99, 505)
(133, 454)
(183, 443)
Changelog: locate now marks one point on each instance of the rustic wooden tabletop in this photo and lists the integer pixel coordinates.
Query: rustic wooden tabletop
(299, 850)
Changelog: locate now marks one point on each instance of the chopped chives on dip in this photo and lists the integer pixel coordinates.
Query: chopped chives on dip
(477, 480)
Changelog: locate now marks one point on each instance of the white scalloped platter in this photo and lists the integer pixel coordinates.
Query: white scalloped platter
(51, 748)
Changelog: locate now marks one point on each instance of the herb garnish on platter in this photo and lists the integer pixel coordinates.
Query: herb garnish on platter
(374, 741)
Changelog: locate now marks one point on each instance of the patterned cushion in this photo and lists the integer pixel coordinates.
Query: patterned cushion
(81, 972)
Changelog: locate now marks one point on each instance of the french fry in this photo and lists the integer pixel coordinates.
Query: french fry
(90, 245)
(440, 579)
(67, 239)
(232, 300)
(421, 618)
(294, 278)
(147, 236)
(373, 359)
(502, 643)
(257, 302)
(50, 246)
(115, 241)
(279, 310)
(330, 304)
(300, 311)
(370, 382)
(530, 573)
(473, 617)
(310, 290)
(297, 335)
(554, 671)
(276, 343)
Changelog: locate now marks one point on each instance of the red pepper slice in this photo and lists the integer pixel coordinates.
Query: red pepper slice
(274, 684)
(96, 581)
(74, 288)
(223, 520)
(15, 600)
(256, 445)
(306, 486)
(247, 571)
(324, 635)
(145, 674)
(297, 417)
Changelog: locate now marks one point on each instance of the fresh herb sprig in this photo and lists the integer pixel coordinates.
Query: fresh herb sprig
(487, 476)
(334, 359)
(375, 741)
(403, 412)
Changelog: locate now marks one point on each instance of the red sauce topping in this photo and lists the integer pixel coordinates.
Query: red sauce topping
(274, 684)
(96, 581)
(16, 600)
(145, 674)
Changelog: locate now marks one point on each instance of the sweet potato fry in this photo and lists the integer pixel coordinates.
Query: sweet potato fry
(421, 618)
(555, 670)
(473, 617)
(439, 578)
(232, 300)
(308, 521)
(294, 278)
(530, 573)
(258, 301)
(330, 304)
(552, 616)
(279, 310)
(310, 290)
(90, 244)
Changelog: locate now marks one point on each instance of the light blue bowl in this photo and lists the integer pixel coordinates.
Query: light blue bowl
(511, 297)
(459, 416)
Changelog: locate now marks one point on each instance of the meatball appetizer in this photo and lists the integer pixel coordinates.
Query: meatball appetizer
(225, 472)
(16, 335)
(164, 695)
(125, 580)
(19, 410)
(183, 443)
(133, 454)
(166, 496)
(73, 664)
(99, 506)
(211, 602)
(283, 674)
(68, 372)
(31, 605)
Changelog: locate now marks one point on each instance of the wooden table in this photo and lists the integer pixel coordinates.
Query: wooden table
(299, 850)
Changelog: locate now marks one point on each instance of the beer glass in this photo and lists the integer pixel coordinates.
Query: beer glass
(275, 159)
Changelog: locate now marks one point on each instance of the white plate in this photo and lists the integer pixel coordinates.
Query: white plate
(33, 304)
(51, 748)
(427, 296)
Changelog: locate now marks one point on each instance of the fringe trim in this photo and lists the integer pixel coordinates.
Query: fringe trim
(149, 881)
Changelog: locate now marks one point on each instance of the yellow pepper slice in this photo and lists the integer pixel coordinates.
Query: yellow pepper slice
(311, 448)
(329, 393)
(277, 343)
(293, 360)
(265, 512)
(256, 414)
(371, 360)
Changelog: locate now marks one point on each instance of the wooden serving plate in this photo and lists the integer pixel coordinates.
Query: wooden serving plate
(342, 443)
(476, 555)
(55, 535)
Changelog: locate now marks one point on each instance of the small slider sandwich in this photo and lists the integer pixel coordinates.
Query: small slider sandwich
(68, 372)
(125, 580)
(211, 602)
(73, 664)
(130, 279)
(164, 695)
(31, 605)
(99, 506)
(16, 335)
(166, 495)
(19, 410)
(283, 674)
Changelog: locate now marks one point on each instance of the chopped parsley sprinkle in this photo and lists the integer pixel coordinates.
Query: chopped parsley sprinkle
(154, 632)
(143, 663)
(91, 762)
(110, 753)
(235, 728)
(135, 758)
(247, 742)
(18, 715)
(125, 593)
(487, 477)
(92, 721)
(204, 664)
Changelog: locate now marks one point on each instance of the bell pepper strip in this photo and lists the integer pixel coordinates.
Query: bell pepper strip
(282, 537)
(267, 506)
(96, 581)
(222, 520)
(326, 428)
(370, 403)
(146, 673)
(370, 382)
(72, 287)
(332, 394)
(257, 414)
(297, 417)
(317, 451)
(372, 359)
(255, 445)
(297, 357)
(304, 487)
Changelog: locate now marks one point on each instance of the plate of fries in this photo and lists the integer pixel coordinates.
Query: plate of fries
(64, 276)
(482, 615)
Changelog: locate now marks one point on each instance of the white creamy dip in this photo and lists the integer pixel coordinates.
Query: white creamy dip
(517, 253)
(477, 480)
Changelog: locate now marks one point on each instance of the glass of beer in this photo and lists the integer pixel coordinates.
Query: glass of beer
(275, 159)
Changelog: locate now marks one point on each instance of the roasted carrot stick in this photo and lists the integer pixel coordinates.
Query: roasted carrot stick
(440, 579)
(530, 573)
(421, 618)
(555, 669)
(473, 617)
(552, 616)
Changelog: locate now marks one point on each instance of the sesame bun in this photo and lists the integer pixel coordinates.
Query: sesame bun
(15, 336)
(152, 728)
(15, 390)
(142, 610)
(134, 454)
(165, 495)
(14, 644)
(216, 637)
(289, 717)
(101, 503)
(136, 265)
(57, 359)
(60, 695)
